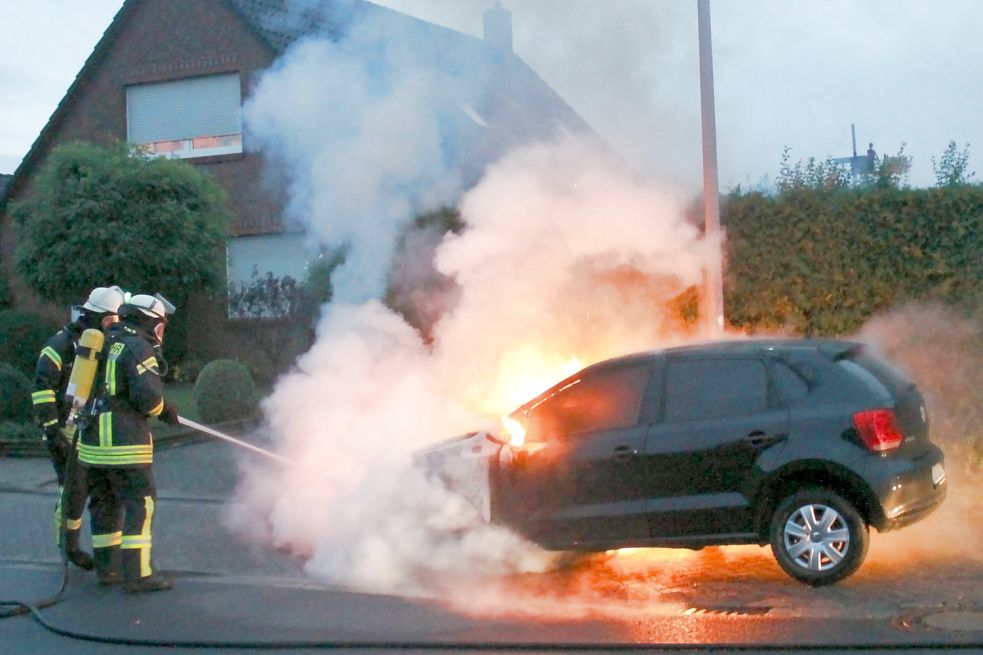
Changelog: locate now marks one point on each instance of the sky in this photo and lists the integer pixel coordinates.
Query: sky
(788, 73)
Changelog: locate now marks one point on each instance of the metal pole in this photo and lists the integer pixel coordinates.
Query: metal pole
(711, 200)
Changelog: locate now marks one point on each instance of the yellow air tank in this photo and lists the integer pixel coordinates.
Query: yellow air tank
(83, 375)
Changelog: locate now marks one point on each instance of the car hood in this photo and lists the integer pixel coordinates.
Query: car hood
(463, 464)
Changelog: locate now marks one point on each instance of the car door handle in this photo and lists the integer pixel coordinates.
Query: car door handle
(624, 453)
(759, 440)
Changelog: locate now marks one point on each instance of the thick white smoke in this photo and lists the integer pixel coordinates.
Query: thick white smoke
(363, 154)
(566, 255)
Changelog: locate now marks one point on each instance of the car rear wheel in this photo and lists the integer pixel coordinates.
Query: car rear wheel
(818, 537)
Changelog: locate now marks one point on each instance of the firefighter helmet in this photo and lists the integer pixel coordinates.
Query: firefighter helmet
(148, 313)
(146, 304)
(105, 300)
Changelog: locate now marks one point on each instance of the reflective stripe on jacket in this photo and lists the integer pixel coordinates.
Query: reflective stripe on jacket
(131, 391)
(51, 375)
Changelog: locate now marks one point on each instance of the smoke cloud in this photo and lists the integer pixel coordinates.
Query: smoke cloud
(363, 151)
(567, 256)
(943, 353)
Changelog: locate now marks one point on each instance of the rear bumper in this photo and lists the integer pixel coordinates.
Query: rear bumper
(913, 492)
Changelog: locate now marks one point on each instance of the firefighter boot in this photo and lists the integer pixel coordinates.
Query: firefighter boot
(134, 582)
(74, 552)
(107, 563)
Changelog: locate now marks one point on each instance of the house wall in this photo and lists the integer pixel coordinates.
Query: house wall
(152, 41)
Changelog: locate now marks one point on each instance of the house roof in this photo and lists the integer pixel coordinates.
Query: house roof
(281, 23)
(494, 117)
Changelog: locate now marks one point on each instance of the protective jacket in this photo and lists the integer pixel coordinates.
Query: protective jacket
(52, 373)
(130, 391)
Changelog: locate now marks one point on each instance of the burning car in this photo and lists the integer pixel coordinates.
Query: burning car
(800, 444)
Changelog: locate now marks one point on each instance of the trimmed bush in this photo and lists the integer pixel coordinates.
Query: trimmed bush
(187, 371)
(22, 335)
(224, 391)
(13, 431)
(15, 395)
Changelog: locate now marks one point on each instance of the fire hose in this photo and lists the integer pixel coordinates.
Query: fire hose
(238, 442)
(21, 607)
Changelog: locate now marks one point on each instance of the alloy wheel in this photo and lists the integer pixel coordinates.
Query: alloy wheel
(816, 537)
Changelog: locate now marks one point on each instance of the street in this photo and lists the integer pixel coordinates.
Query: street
(906, 592)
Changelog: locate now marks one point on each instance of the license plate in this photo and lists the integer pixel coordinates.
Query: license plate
(938, 474)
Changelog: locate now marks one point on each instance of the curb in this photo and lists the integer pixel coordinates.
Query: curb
(173, 439)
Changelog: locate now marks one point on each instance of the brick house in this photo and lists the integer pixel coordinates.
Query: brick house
(171, 75)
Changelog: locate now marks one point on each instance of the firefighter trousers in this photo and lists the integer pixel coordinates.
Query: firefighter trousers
(72, 492)
(121, 512)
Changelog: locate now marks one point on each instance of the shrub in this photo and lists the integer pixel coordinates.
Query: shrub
(225, 391)
(14, 431)
(22, 335)
(15, 395)
(187, 371)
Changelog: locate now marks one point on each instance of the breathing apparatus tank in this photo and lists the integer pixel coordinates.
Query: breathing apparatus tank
(79, 389)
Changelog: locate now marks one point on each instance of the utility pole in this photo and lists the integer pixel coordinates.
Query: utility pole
(714, 305)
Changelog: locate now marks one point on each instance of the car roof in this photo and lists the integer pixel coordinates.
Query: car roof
(832, 348)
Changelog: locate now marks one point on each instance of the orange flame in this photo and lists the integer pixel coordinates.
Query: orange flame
(515, 431)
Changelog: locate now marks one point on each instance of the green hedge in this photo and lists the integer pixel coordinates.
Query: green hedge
(225, 391)
(22, 335)
(821, 262)
(15, 395)
(15, 431)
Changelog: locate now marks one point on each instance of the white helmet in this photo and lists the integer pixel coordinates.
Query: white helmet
(105, 300)
(148, 305)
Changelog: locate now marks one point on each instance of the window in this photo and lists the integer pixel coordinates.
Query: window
(194, 117)
(712, 388)
(265, 274)
(279, 254)
(606, 400)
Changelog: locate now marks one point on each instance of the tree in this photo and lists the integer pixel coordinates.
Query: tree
(952, 169)
(112, 215)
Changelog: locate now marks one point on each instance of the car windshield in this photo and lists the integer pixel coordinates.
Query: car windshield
(723, 255)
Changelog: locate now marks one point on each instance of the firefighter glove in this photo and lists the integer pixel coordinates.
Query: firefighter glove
(168, 415)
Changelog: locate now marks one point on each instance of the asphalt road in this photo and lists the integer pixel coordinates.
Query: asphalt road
(922, 585)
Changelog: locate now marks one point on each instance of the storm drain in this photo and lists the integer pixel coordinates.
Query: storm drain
(726, 611)
(955, 619)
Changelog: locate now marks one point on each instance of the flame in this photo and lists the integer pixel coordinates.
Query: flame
(515, 431)
(525, 373)
(528, 378)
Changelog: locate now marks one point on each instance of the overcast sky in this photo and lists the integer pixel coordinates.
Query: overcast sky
(791, 73)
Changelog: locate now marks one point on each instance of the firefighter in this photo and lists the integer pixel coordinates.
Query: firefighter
(117, 448)
(52, 373)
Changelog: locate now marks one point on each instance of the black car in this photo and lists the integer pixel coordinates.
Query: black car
(802, 444)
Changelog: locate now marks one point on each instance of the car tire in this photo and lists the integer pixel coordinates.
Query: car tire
(818, 537)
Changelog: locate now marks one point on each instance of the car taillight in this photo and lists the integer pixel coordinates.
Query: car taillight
(878, 429)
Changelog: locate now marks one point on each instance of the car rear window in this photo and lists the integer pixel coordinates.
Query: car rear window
(896, 382)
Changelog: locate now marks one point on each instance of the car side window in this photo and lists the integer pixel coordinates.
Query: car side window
(715, 387)
(606, 400)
